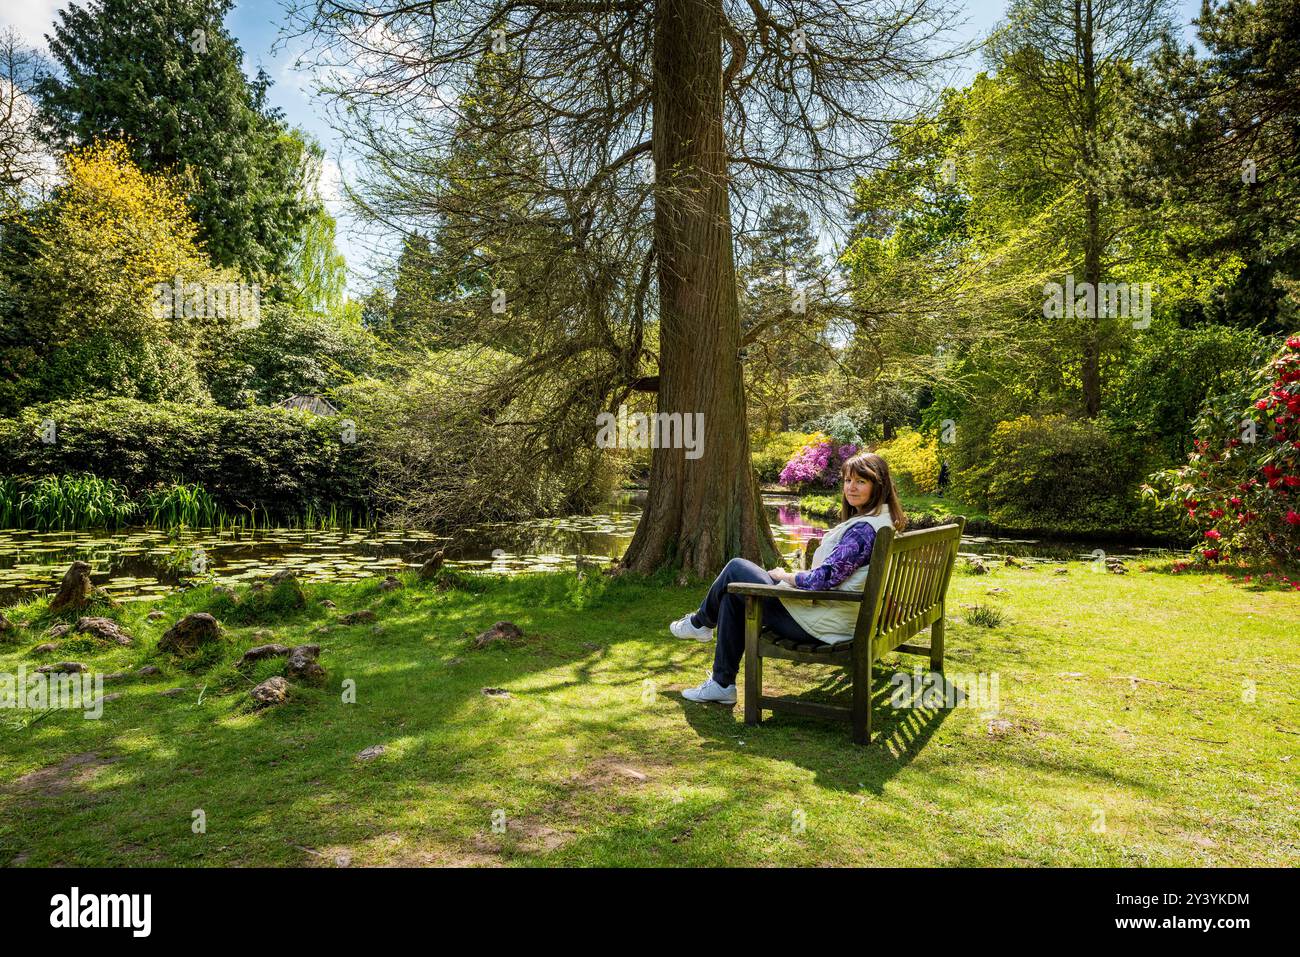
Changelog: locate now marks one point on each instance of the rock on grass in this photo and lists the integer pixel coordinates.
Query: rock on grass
(105, 629)
(190, 633)
(302, 664)
(75, 589)
(506, 631)
(429, 570)
(262, 652)
(270, 692)
(63, 668)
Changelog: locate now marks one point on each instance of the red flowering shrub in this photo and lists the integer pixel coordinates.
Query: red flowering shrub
(1240, 488)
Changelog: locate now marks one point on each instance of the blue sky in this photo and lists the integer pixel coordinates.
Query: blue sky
(256, 25)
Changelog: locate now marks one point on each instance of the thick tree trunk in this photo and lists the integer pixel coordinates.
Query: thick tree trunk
(1090, 370)
(1092, 272)
(699, 512)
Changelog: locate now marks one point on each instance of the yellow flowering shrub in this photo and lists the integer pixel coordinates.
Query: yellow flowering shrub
(112, 238)
(913, 459)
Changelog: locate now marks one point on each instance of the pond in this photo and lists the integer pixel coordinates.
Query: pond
(142, 564)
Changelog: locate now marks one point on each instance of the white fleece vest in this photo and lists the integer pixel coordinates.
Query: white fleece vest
(834, 621)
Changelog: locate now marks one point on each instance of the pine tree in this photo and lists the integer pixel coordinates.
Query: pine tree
(783, 291)
(166, 76)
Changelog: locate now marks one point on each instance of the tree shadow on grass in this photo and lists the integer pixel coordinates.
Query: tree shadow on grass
(289, 781)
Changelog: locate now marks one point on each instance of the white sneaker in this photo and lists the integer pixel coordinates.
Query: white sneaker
(710, 690)
(682, 628)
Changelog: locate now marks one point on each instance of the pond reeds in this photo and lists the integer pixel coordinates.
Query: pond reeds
(64, 502)
(79, 502)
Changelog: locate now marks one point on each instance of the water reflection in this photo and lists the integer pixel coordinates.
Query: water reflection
(143, 564)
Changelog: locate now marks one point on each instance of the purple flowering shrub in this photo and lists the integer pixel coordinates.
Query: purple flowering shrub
(817, 464)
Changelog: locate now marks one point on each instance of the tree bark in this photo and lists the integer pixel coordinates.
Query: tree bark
(1090, 369)
(699, 512)
(1092, 272)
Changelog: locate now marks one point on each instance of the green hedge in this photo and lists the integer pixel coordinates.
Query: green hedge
(279, 461)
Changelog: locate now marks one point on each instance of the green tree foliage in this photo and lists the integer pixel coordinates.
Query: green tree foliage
(1217, 137)
(1004, 190)
(492, 263)
(87, 318)
(785, 321)
(317, 276)
(1063, 61)
(292, 352)
(436, 460)
(1172, 371)
(1057, 472)
(493, 257)
(166, 75)
(280, 462)
(410, 315)
(952, 242)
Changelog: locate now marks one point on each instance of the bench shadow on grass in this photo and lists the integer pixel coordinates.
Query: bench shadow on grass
(822, 746)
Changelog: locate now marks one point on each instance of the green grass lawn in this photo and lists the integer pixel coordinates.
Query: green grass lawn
(1128, 733)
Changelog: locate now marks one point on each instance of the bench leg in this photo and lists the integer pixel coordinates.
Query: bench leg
(936, 641)
(753, 663)
(861, 709)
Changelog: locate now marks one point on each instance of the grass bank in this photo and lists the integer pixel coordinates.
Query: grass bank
(917, 506)
(1144, 719)
(929, 509)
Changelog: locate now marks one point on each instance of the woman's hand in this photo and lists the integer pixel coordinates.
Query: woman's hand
(781, 575)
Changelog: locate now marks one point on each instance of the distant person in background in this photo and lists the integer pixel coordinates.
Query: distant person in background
(943, 476)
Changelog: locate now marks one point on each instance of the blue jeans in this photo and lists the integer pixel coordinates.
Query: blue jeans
(727, 613)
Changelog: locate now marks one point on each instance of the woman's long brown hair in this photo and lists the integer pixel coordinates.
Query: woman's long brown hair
(869, 465)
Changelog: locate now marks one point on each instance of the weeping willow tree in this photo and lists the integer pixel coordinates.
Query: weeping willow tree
(318, 273)
(635, 137)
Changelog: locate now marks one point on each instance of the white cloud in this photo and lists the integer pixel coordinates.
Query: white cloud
(32, 19)
(38, 167)
(292, 75)
(330, 185)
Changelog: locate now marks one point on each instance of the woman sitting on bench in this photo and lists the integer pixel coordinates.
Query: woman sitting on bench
(869, 502)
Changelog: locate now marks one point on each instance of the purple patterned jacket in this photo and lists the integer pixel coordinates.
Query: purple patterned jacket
(852, 552)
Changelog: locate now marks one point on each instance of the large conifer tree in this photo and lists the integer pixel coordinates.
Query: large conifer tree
(167, 76)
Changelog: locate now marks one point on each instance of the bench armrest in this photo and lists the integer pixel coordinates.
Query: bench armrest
(798, 594)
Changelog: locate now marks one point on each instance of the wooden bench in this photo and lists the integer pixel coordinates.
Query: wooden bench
(905, 592)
